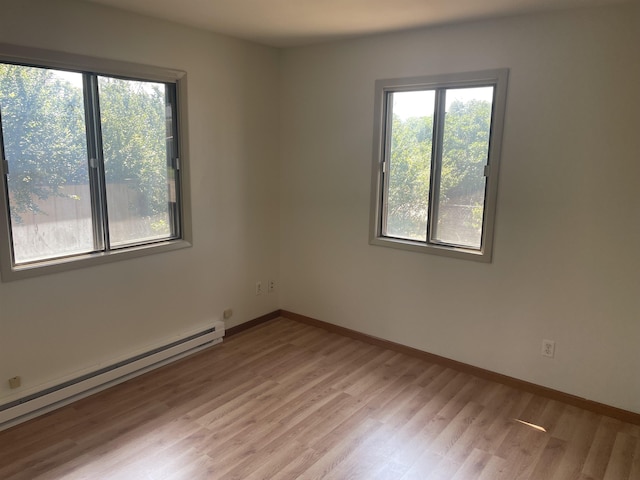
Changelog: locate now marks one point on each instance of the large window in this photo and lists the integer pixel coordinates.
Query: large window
(91, 164)
(435, 168)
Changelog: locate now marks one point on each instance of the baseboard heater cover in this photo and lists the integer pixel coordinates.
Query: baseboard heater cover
(48, 399)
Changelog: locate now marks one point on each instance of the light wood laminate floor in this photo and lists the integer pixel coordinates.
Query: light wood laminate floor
(286, 400)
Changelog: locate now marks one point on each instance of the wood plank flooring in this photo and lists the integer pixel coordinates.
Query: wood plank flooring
(286, 401)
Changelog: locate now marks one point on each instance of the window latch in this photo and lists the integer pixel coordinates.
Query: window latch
(176, 163)
(93, 163)
(5, 166)
(487, 170)
(384, 167)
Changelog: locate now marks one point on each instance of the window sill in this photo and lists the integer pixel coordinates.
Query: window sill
(81, 261)
(481, 255)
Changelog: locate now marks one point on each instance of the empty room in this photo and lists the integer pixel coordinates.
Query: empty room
(350, 239)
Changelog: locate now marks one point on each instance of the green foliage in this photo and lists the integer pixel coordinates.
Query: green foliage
(134, 140)
(410, 166)
(465, 143)
(464, 155)
(44, 134)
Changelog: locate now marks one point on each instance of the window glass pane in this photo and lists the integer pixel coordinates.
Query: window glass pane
(43, 127)
(465, 149)
(136, 125)
(407, 188)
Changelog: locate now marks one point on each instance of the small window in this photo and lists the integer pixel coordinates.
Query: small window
(435, 166)
(91, 167)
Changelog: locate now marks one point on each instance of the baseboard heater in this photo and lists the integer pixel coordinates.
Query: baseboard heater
(48, 399)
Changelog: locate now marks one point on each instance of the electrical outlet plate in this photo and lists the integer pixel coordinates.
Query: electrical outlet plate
(258, 287)
(272, 286)
(548, 348)
(15, 382)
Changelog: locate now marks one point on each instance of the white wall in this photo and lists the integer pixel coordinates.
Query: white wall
(55, 325)
(566, 265)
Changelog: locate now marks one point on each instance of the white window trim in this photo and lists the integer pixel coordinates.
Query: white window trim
(497, 78)
(66, 61)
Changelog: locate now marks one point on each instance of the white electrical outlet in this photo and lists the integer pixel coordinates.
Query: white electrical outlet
(258, 287)
(548, 348)
(271, 287)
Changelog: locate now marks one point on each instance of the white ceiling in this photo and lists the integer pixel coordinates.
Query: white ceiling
(284, 23)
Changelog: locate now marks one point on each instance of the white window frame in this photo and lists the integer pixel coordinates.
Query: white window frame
(496, 78)
(80, 63)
